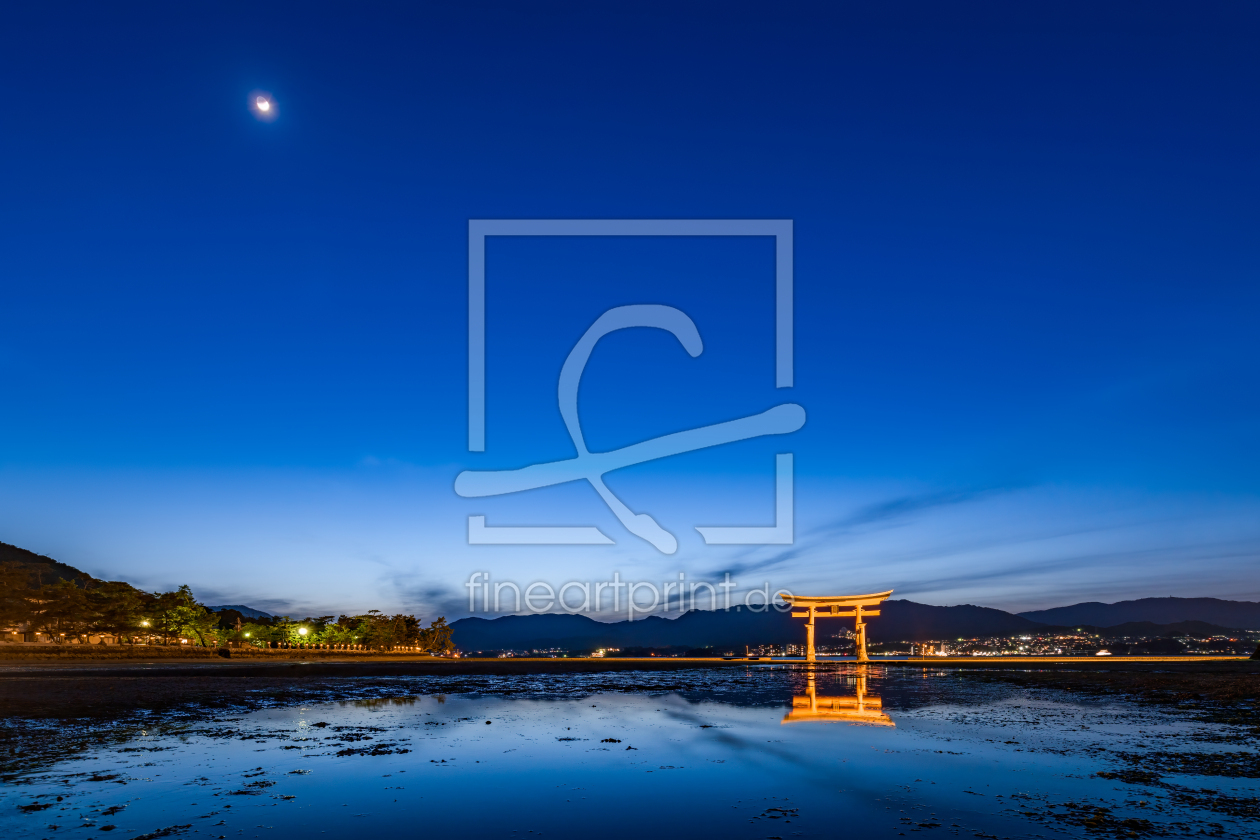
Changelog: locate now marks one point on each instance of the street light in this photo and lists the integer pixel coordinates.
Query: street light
(301, 631)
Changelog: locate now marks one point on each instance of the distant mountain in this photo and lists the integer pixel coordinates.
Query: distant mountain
(730, 629)
(1197, 629)
(1243, 615)
(907, 621)
(246, 612)
(697, 628)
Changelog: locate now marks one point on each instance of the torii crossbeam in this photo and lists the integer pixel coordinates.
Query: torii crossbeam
(836, 606)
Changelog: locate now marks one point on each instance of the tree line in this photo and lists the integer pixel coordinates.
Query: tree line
(71, 610)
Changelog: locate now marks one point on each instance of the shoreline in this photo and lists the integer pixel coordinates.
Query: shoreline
(284, 658)
(99, 689)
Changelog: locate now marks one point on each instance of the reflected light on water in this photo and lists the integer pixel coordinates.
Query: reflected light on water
(859, 707)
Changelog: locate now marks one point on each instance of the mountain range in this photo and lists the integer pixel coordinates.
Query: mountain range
(1244, 615)
(899, 621)
(731, 628)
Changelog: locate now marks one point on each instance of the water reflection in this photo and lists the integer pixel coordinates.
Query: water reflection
(382, 702)
(856, 708)
(558, 757)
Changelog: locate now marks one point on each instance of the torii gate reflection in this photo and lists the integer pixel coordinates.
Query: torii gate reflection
(857, 708)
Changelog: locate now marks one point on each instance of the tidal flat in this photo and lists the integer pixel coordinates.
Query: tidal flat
(773, 751)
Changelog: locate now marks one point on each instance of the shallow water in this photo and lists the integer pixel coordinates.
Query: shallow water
(766, 752)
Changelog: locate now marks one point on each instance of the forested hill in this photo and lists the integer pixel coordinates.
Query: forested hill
(45, 569)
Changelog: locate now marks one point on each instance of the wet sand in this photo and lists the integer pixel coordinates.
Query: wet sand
(558, 748)
(40, 690)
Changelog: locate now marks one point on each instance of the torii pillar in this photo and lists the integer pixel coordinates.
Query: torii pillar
(831, 607)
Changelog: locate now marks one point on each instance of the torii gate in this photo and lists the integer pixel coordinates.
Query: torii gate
(817, 606)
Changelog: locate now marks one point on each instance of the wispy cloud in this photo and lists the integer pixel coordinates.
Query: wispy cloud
(898, 511)
(425, 597)
(903, 509)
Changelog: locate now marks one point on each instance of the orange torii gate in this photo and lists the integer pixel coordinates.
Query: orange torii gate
(817, 606)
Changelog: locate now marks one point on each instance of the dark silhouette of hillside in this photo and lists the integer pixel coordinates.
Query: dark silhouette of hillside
(899, 621)
(731, 629)
(697, 628)
(1197, 629)
(244, 611)
(907, 621)
(44, 569)
(1244, 615)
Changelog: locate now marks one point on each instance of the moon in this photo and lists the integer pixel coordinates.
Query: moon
(263, 106)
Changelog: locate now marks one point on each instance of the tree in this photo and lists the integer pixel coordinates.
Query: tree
(344, 631)
(282, 629)
(436, 638)
(114, 608)
(178, 615)
(15, 595)
(399, 630)
(257, 635)
(60, 609)
(360, 629)
(316, 631)
(374, 630)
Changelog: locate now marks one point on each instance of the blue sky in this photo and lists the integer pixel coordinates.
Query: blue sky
(234, 351)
